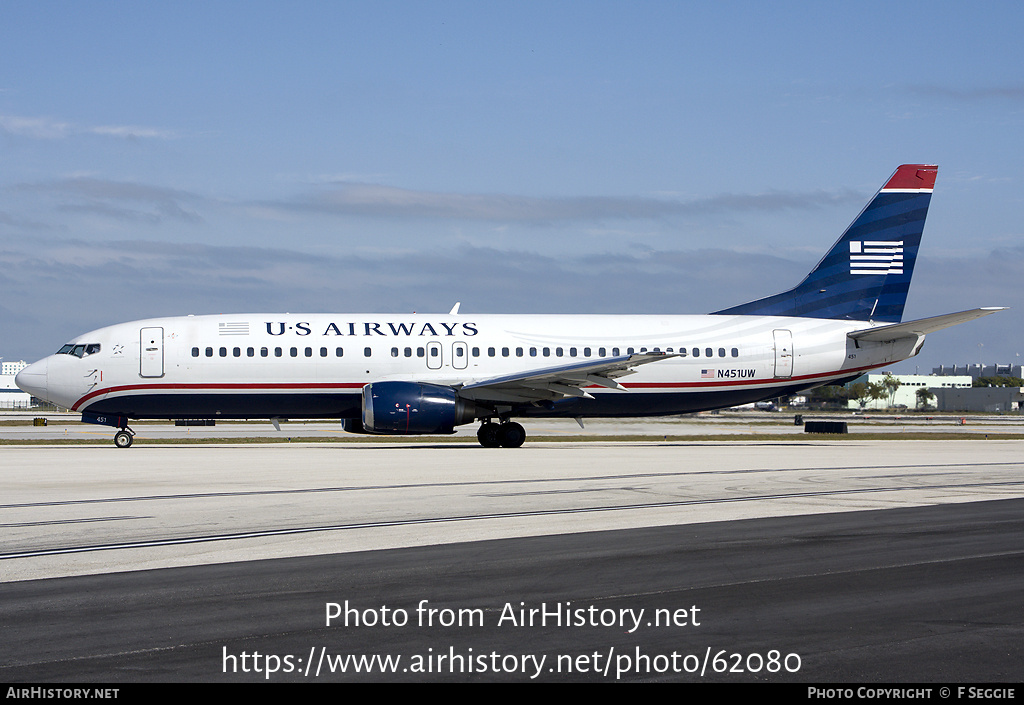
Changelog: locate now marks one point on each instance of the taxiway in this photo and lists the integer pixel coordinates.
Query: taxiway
(879, 560)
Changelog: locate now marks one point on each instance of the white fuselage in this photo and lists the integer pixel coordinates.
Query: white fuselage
(315, 365)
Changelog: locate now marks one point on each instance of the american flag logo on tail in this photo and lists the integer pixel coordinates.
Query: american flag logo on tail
(876, 257)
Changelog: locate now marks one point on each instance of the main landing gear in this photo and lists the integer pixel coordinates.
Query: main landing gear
(507, 434)
(124, 437)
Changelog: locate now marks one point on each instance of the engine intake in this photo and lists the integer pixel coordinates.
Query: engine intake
(414, 407)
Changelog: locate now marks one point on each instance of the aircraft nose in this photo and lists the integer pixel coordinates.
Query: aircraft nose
(32, 379)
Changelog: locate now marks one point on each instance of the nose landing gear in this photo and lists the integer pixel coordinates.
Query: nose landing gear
(124, 437)
(507, 434)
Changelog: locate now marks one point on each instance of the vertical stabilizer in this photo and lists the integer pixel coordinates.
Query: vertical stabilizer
(866, 275)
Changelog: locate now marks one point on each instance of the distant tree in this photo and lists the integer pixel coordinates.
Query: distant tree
(998, 381)
(860, 393)
(924, 397)
(831, 394)
(877, 391)
(891, 384)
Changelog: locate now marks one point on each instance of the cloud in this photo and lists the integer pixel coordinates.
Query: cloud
(984, 93)
(10, 220)
(380, 201)
(46, 128)
(120, 200)
(63, 287)
(40, 128)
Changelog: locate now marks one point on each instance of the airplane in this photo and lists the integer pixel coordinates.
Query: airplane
(426, 374)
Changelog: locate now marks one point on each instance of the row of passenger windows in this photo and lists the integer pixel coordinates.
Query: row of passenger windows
(459, 352)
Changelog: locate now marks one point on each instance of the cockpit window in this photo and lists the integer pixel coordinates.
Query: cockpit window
(79, 350)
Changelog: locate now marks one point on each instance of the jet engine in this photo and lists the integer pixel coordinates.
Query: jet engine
(414, 407)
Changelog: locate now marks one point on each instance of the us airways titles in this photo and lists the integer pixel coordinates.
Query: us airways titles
(365, 328)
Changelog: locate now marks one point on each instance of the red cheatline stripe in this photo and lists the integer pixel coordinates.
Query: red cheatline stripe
(359, 385)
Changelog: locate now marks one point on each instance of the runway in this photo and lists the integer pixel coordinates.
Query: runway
(862, 559)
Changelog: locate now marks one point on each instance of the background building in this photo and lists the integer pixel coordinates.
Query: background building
(906, 394)
(992, 400)
(12, 368)
(979, 370)
(10, 396)
(952, 392)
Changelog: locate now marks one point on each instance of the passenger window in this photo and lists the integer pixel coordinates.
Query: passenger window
(708, 352)
(558, 352)
(223, 352)
(237, 352)
(209, 352)
(547, 352)
(519, 352)
(408, 352)
(394, 352)
(696, 352)
(615, 352)
(735, 352)
(367, 352)
(504, 352)
(600, 352)
(421, 352)
(278, 352)
(586, 352)
(572, 352)
(721, 352)
(195, 352)
(309, 352)
(294, 352)
(533, 352)
(490, 352)
(250, 352)
(323, 352)
(264, 352)
(476, 352)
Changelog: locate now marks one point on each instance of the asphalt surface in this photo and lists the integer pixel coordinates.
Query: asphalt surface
(924, 594)
(782, 561)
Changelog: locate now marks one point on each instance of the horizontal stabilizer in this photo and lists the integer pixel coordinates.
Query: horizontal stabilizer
(922, 326)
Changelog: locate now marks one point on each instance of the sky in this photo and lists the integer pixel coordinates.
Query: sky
(537, 157)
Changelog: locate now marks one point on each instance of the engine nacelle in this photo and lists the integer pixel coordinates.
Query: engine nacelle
(414, 407)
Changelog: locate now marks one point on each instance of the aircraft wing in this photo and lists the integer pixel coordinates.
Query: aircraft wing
(552, 383)
(922, 326)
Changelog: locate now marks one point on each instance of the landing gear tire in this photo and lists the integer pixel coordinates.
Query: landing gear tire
(489, 435)
(512, 435)
(123, 439)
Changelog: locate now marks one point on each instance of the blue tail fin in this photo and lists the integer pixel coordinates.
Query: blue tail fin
(866, 275)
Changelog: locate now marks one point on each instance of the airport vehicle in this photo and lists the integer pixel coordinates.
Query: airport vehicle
(427, 374)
